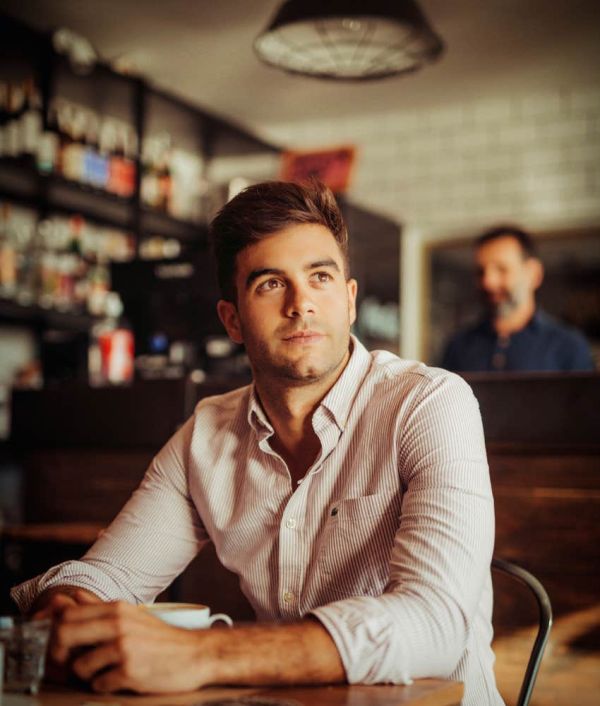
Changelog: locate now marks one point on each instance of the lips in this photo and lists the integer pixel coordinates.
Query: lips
(303, 336)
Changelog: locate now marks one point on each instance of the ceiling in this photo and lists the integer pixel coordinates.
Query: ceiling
(202, 51)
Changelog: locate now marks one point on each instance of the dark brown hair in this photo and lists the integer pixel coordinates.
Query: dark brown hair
(509, 231)
(263, 209)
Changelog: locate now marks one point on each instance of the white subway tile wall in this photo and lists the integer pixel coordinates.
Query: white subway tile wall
(527, 158)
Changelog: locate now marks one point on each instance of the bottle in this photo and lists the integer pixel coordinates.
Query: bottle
(51, 144)
(8, 255)
(4, 91)
(112, 137)
(164, 176)
(12, 129)
(149, 188)
(111, 350)
(73, 152)
(130, 155)
(31, 120)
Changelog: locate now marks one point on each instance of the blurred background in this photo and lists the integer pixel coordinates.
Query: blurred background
(125, 125)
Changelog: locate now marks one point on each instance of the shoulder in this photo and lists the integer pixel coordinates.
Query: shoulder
(413, 380)
(559, 330)
(223, 410)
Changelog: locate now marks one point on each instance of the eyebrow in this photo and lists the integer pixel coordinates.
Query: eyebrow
(255, 274)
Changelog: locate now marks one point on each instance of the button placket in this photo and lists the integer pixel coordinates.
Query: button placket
(291, 553)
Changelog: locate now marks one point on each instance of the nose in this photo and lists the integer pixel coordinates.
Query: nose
(488, 279)
(299, 302)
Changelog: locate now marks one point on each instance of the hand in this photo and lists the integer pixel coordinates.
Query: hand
(127, 649)
(51, 603)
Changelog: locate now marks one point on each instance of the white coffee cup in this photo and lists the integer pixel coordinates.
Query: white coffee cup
(193, 616)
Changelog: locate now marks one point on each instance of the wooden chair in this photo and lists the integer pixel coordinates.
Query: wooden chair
(545, 623)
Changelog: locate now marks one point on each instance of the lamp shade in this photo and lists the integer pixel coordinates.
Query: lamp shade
(348, 39)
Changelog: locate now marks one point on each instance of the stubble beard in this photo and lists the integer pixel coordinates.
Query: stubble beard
(506, 306)
(291, 372)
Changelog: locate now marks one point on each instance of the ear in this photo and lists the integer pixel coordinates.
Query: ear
(352, 287)
(536, 272)
(228, 314)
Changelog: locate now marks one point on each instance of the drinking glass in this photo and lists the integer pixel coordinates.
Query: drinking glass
(24, 642)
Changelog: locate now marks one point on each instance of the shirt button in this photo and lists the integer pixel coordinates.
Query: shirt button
(288, 597)
(290, 523)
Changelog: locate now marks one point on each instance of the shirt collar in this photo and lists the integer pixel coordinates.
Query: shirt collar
(337, 401)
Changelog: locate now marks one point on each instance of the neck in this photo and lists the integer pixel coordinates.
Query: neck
(515, 321)
(290, 409)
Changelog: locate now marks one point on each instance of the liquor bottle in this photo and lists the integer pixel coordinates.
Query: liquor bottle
(8, 254)
(96, 154)
(164, 176)
(111, 350)
(12, 128)
(116, 159)
(3, 115)
(74, 119)
(31, 119)
(27, 266)
(90, 147)
(130, 149)
(50, 147)
(149, 188)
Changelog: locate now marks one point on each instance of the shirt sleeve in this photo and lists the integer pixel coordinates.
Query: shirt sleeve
(149, 543)
(440, 560)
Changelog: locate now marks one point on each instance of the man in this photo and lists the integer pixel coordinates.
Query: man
(515, 335)
(348, 490)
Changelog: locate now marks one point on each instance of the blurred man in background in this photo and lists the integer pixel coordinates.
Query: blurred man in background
(515, 334)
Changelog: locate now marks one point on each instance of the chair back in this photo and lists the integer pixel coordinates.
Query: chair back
(545, 623)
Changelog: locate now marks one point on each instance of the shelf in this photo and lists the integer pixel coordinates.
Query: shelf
(158, 223)
(22, 182)
(65, 196)
(19, 181)
(80, 187)
(11, 311)
(148, 112)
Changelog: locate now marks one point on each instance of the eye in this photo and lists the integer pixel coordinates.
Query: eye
(322, 277)
(269, 285)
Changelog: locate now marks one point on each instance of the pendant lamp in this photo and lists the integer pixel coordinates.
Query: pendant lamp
(351, 40)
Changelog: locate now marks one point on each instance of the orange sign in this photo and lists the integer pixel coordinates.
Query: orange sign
(333, 167)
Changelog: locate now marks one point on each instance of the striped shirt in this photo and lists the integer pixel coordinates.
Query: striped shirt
(387, 540)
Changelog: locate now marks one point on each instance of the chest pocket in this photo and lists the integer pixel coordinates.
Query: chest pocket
(356, 543)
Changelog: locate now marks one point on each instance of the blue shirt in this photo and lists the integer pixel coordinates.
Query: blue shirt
(543, 345)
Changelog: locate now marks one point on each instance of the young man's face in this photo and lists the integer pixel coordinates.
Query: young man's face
(294, 306)
(506, 277)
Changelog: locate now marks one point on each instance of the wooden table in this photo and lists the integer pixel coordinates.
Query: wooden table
(425, 692)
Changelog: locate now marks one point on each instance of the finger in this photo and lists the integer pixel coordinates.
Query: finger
(83, 597)
(67, 636)
(57, 605)
(92, 661)
(112, 680)
(97, 610)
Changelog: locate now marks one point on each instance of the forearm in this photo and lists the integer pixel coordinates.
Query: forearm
(299, 653)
